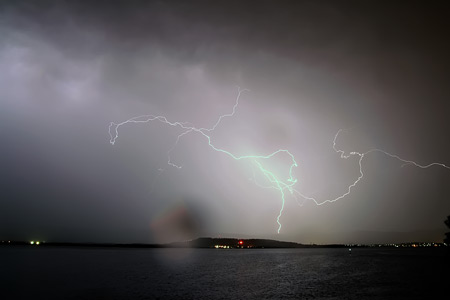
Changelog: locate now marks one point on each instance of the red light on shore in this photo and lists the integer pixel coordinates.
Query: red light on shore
(241, 242)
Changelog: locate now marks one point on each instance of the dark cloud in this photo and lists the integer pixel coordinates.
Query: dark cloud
(313, 67)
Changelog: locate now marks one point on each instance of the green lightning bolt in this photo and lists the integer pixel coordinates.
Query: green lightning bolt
(276, 183)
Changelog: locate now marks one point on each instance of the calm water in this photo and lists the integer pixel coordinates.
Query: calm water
(106, 273)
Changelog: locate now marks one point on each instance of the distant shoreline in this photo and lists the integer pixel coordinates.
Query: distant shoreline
(221, 243)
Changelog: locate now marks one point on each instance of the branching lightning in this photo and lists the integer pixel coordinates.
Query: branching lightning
(282, 185)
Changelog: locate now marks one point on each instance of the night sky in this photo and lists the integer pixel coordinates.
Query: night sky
(378, 69)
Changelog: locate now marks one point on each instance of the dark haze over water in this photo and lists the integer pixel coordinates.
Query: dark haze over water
(105, 273)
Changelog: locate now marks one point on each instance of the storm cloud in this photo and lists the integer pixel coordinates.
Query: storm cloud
(69, 68)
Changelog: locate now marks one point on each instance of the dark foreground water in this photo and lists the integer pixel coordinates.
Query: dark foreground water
(109, 273)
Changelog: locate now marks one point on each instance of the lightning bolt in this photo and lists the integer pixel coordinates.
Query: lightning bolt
(282, 185)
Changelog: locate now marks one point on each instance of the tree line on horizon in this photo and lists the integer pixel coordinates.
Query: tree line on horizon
(447, 234)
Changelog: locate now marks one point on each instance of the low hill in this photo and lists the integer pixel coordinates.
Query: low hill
(207, 242)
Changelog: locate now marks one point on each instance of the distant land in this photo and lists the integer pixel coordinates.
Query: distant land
(219, 243)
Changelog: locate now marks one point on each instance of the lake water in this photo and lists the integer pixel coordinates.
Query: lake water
(121, 273)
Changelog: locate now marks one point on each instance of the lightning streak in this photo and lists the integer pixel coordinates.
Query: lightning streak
(362, 155)
(282, 185)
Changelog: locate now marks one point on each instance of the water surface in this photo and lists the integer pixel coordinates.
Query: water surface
(122, 273)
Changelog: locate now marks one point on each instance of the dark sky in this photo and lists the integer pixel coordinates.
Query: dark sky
(378, 69)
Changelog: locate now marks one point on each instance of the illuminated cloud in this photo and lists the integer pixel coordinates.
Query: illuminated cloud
(69, 69)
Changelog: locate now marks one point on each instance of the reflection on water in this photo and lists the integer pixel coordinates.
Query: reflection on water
(107, 273)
